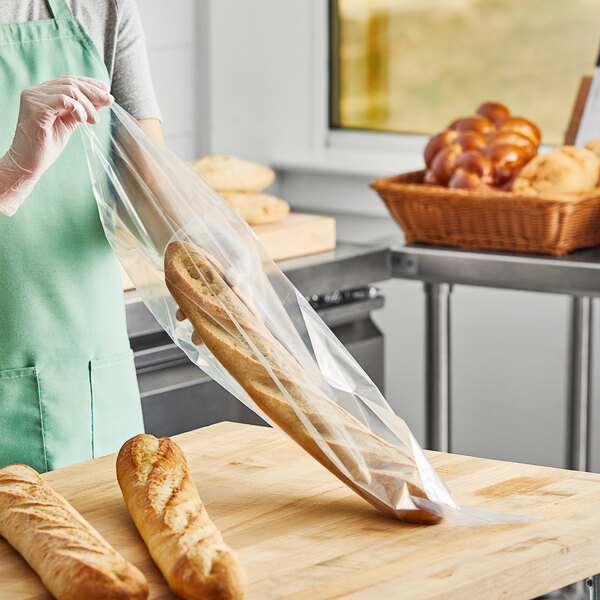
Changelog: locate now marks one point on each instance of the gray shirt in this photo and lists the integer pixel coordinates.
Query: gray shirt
(116, 29)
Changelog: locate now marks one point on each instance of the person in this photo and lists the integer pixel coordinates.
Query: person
(68, 389)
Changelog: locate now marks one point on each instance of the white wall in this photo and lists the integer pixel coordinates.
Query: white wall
(177, 45)
(238, 77)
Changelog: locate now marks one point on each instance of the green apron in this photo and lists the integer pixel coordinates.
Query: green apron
(68, 389)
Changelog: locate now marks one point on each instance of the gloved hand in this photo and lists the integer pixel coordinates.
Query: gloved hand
(48, 115)
(180, 316)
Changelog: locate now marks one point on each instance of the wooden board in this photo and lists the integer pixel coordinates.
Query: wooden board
(302, 535)
(298, 234)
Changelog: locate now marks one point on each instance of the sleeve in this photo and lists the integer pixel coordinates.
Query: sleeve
(131, 82)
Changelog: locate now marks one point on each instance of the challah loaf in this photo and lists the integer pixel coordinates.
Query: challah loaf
(483, 151)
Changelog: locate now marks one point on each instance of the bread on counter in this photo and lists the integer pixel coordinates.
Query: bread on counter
(566, 171)
(594, 146)
(199, 286)
(72, 559)
(232, 174)
(164, 503)
(256, 208)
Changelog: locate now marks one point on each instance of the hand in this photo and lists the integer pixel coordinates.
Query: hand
(180, 316)
(48, 115)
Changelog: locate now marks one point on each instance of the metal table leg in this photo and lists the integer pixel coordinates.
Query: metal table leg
(579, 377)
(437, 366)
(593, 586)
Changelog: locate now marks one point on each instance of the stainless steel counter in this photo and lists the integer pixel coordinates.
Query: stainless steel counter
(577, 275)
(337, 283)
(348, 266)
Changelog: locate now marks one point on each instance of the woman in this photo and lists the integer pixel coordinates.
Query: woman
(68, 389)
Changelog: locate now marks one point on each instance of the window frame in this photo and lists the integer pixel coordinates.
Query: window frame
(328, 138)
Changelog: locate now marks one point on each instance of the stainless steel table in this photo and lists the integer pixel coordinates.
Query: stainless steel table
(349, 265)
(577, 275)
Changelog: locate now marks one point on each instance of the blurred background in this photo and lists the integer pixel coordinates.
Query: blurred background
(413, 67)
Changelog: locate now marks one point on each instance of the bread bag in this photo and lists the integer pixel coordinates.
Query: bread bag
(263, 341)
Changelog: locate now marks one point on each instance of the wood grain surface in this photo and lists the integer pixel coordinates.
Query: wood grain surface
(299, 234)
(302, 535)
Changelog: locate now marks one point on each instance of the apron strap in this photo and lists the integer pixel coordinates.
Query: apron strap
(59, 9)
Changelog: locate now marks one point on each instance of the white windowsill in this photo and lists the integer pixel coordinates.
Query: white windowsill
(349, 162)
(360, 163)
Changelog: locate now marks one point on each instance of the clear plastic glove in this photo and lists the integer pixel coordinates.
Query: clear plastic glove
(180, 316)
(48, 115)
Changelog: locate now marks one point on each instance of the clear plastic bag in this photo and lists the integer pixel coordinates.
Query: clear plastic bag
(262, 340)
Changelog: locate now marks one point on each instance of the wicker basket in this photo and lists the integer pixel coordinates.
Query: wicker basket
(489, 220)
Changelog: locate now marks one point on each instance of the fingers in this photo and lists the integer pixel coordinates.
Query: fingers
(196, 339)
(79, 81)
(98, 96)
(90, 110)
(65, 105)
(90, 81)
(91, 94)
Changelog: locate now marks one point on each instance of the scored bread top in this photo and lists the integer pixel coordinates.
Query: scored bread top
(165, 505)
(73, 560)
(232, 174)
(256, 208)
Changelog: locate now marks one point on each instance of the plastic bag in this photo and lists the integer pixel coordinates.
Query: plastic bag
(262, 340)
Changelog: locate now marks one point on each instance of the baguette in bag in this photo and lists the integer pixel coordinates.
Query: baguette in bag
(284, 393)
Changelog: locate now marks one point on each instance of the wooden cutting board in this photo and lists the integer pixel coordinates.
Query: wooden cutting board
(299, 234)
(302, 535)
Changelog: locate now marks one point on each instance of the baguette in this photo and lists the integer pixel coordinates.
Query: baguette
(231, 174)
(166, 508)
(255, 208)
(70, 556)
(285, 394)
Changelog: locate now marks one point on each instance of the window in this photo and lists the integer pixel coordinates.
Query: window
(413, 66)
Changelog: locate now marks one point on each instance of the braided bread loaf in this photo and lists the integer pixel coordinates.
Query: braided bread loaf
(166, 508)
(381, 473)
(70, 556)
(483, 151)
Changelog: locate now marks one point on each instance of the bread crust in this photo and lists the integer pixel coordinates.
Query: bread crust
(256, 208)
(232, 174)
(198, 285)
(165, 506)
(566, 171)
(72, 559)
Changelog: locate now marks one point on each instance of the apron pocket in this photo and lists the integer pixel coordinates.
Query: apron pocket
(21, 423)
(116, 406)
